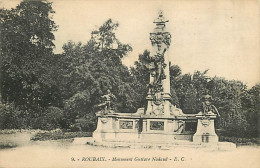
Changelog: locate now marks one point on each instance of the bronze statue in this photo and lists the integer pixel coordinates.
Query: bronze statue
(207, 107)
(108, 98)
(156, 68)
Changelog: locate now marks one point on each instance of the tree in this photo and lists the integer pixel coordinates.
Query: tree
(141, 76)
(28, 64)
(175, 74)
(104, 39)
(227, 98)
(26, 38)
(89, 70)
(250, 104)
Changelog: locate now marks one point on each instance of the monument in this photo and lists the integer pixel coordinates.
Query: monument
(161, 123)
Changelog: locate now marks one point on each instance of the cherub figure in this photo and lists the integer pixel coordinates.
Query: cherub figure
(207, 107)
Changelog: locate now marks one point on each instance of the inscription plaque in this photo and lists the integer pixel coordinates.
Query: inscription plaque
(126, 124)
(156, 125)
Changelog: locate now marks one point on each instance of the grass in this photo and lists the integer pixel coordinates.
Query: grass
(11, 138)
(240, 141)
(58, 134)
(4, 145)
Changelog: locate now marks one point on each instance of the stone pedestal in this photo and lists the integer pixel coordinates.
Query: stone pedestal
(205, 129)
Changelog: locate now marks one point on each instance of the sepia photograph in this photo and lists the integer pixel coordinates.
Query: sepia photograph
(129, 83)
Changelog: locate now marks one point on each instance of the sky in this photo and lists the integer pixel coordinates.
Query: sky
(222, 35)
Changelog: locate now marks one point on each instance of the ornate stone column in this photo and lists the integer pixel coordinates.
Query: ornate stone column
(159, 88)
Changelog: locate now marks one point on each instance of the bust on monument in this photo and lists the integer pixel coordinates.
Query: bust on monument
(207, 107)
(205, 127)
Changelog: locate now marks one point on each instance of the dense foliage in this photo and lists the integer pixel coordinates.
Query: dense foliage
(27, 60)
(40, 89)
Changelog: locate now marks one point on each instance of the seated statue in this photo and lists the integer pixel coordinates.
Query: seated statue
(207, 107)
(107, 101)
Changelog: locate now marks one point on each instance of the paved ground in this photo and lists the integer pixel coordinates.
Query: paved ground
(65, 153)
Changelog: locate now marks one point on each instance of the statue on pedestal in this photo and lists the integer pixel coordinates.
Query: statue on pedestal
(207, 107)
(107, 101)
(206, 122)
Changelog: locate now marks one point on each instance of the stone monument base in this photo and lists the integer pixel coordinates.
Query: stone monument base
(205, 129)
(139, 130)
(137, 137)
(133, 127)
(223, 146)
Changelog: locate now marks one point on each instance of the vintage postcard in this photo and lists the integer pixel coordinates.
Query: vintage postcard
(129, 83)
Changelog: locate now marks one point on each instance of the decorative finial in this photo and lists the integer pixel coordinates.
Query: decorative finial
(160, 19)
(160, 13)
(160, 35)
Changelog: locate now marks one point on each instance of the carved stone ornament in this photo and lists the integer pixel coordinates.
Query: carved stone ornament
(158, 111)
(104, 120)
(205, 121)
(161, 37)
(157, 98)
(126, 124)
(180, 126)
